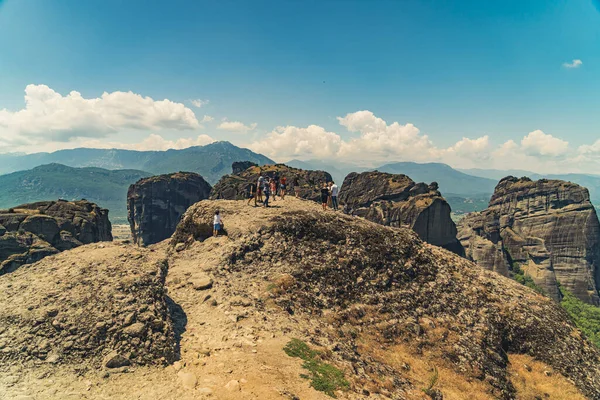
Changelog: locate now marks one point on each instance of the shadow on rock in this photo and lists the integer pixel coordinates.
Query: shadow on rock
(179, 318)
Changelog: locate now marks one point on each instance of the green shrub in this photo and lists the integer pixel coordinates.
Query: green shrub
(520, 276)
(324, 377)
(585, 316)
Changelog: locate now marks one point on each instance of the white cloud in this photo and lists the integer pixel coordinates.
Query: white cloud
(576, 63)
(287, 142)
(236, 126)
(207, 118)
(49, 116)
(537, 143)
(199, 102)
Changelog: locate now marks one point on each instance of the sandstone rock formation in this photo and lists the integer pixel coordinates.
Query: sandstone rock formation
(546, 228)
(368, 292)
(155, 204)
(234, 187)
(396, 200)
(97, 305)
(240, 166)
(30, 232)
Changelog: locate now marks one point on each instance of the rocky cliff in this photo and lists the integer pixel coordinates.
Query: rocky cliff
(155, 204)
(233, 187)
(30, 232)
(396, 200)
(546, 229)
(293, 302)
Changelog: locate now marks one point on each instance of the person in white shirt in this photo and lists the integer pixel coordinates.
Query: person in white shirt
(217, 223)
(334, 193)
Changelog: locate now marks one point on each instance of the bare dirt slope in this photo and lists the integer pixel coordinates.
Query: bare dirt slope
(387, 310)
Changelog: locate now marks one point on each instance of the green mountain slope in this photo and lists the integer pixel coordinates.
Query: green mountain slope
(53, 181)
(211, 161)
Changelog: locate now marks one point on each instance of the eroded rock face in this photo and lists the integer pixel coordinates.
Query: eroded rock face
(30, 232)
(547, 228)
(155, 204)
(396, 200)
(356, 281)
(97, 305)
(240, 166)
(234, 187)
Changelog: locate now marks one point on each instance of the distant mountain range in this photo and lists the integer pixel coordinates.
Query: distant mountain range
(211, 161)
(104, 187)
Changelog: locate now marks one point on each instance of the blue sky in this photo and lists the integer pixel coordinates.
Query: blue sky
(454, 69)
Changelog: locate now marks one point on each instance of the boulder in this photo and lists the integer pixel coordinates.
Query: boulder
(396, 200)
(235, 186)
(547, 229)
(240, 166)
(33, 231)
(155, 204)
(71, 309)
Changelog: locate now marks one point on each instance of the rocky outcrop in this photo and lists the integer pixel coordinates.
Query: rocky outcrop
(366, 293)
(30, 232)
(155, 204)
(97, 305)
(240, 166)
(234, 187)
(546, 229)
(396, 200)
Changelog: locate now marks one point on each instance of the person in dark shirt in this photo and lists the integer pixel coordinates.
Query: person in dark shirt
(324, 195)
(296, 185)
(267, 192)
(251, 193)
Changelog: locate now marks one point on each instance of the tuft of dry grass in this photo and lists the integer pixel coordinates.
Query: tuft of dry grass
(534, 380)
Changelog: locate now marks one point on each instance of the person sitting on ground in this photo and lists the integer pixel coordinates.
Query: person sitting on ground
(259, 188)
(217, 223)
(324, 195)
(267, 191)
(251, 193)
(283, 187)
(334, 195)
(296, 186)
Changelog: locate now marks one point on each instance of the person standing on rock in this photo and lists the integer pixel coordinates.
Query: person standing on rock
(324, 195)
(276, 181)
(273, 187)
(283, 187)
(217, 223)
(267, 191)
(259, 188)
(334, 194)
(251, 193)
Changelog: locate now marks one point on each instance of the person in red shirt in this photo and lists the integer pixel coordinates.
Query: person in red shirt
(283, 187)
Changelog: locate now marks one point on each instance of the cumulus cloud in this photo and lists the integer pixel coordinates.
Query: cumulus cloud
(378, 141)
(199, 102)
(51, 116)
(236, 126)
(207, 118)
(537, 143)
(286, 142)
(576, 63)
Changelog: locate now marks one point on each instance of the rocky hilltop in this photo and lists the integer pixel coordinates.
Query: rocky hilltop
(547, 229)
(396, 200)
(234, 186)
(30, 232)
(292, 302)
(155, 204)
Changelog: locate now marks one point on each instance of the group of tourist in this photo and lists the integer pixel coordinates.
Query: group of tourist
(266, 188)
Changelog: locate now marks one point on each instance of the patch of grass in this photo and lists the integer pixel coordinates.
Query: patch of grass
(324, 377)
(585, 316)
